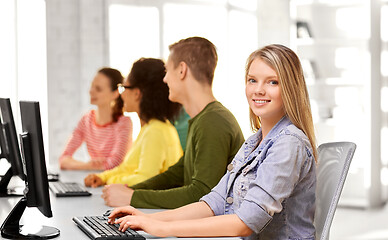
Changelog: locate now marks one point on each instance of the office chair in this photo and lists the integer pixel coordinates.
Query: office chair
(333, 164)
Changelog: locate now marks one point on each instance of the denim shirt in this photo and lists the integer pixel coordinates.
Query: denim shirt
(271, 186)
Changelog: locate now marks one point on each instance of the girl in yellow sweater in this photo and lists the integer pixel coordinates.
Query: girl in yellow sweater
(157, 146)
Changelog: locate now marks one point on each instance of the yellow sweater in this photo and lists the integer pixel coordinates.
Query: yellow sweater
(156, 148)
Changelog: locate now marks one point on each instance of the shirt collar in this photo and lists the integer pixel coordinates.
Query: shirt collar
(255, 139)
(202, 112)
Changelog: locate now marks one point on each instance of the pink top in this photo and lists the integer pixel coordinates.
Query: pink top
(110, 141)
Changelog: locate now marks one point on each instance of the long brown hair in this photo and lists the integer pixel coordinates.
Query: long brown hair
(293, 88)
(115, 78)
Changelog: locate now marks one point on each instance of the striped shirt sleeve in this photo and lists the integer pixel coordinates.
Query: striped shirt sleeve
(123, 140)
(76, 138)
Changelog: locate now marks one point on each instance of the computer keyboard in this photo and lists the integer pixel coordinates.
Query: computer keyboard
(97, 227)
(68, 189)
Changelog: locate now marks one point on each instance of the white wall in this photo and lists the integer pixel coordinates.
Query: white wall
(76, 49)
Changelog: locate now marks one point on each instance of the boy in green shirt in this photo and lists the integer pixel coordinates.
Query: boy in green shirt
(213, 138)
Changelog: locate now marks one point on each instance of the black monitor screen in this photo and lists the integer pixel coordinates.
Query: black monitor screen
(37, 189)
(9, 143)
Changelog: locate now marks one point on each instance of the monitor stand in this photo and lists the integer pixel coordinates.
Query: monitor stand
(12, 230)
(5, 191)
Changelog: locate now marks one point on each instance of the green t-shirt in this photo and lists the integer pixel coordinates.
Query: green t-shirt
(213, 138)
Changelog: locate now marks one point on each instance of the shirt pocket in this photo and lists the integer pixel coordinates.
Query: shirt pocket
(244, 181)
(249, 172)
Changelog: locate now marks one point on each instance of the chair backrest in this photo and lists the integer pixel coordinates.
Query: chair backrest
(333, 164)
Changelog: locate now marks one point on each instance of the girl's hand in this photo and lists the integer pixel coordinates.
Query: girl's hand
(122, 212)
(144, 223)
(117, 195)
(92, 180)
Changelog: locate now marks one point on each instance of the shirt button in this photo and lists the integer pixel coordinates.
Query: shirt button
(229, 200)
(230, 167)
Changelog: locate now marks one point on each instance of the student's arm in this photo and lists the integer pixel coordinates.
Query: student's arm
(216, 226)
(192, 211)
(75, 141)
(212, 144)
(196, 219)
(153, 154)
(123, 133)
(117, 171)
(171, 178)
(116, 195)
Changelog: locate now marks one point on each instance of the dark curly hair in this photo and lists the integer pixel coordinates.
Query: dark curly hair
(147, 75)
(115, 78)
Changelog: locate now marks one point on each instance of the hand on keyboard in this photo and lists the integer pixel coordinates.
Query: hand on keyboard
(131, 218)
(145, 223)
(122, 212)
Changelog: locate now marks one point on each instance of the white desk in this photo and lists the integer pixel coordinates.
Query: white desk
(64, 209)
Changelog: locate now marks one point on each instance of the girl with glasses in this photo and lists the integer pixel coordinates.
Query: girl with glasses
(157, 146)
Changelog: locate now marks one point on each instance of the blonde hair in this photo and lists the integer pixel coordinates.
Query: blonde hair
(293, 88)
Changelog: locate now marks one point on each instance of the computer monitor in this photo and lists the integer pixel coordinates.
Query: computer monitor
(9, 150)
(37, 190)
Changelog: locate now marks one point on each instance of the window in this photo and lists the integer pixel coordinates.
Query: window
(146, 29)
(133, 33)
(23, 56)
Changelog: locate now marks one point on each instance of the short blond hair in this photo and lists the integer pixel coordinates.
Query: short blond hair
(293, 88)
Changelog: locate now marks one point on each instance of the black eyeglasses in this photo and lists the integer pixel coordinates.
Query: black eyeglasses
(121, 88)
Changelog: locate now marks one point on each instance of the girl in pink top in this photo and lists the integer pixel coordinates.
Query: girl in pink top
(106, 132)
